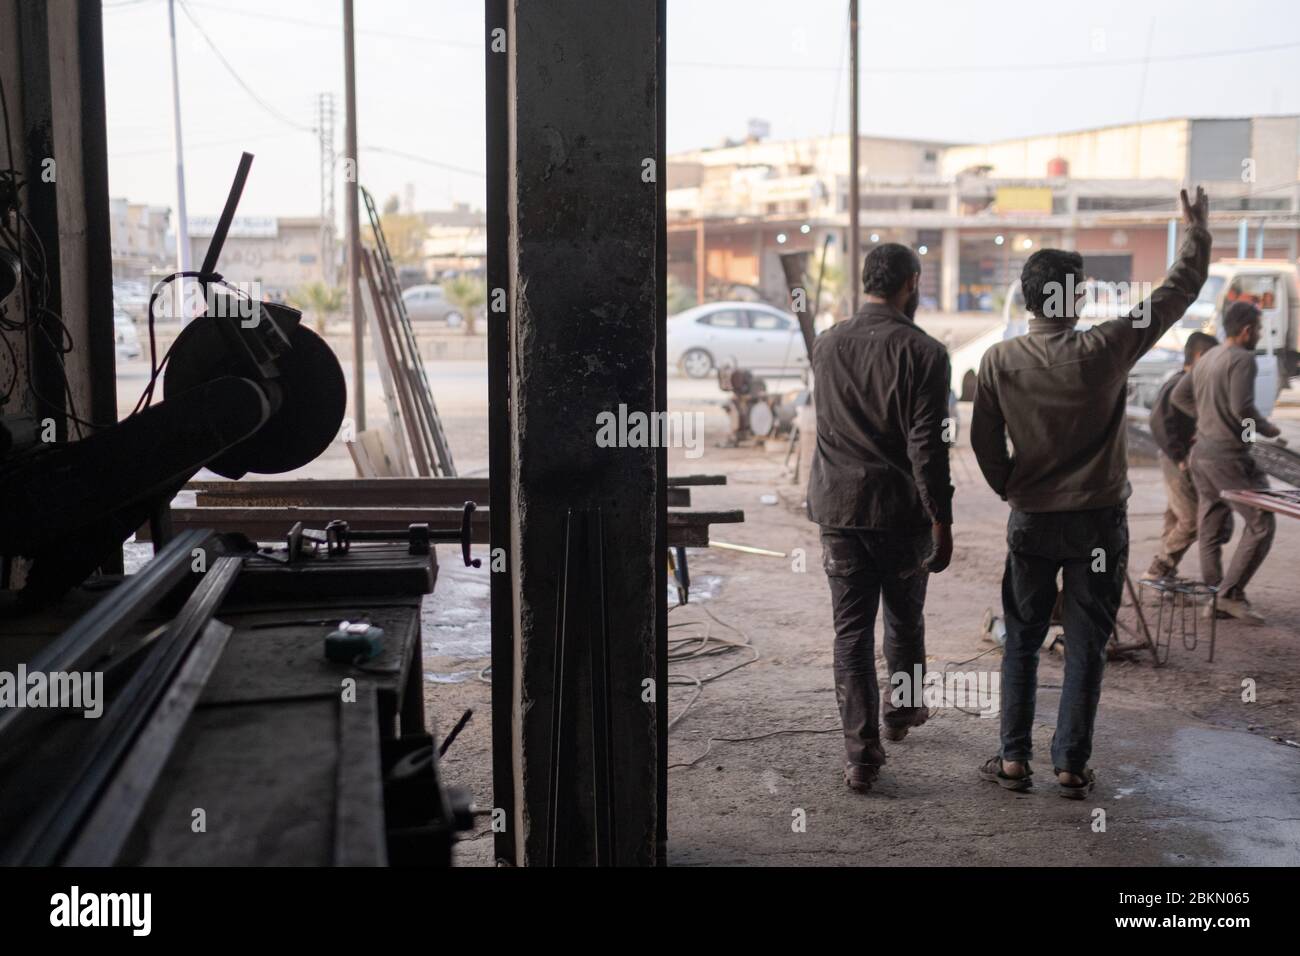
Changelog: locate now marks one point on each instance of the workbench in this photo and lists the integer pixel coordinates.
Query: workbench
(280, 759)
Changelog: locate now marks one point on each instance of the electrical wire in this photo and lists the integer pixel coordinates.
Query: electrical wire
(34, 278)
(696, 647)
(271, 110)
(1093, 64)
(699, 646)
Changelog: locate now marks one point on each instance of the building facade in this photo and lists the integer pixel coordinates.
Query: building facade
(974, 213)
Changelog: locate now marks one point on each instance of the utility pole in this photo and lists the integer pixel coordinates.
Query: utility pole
(328, 169)
(182, 219)
(855, 282)
(352, 193)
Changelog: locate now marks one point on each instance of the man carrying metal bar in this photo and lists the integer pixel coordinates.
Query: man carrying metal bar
(1059, 395)
(879, 488)
(1220, 393)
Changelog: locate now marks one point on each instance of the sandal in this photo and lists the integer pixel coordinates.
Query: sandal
(1072, 791)
(993, 773)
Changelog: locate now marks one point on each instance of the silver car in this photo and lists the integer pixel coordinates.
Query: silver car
(428, 303)
(748, 335)
(126, 340)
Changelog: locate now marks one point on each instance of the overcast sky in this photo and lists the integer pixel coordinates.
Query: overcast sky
(958, 70)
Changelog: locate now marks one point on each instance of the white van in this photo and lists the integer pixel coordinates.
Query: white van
(1271, 285)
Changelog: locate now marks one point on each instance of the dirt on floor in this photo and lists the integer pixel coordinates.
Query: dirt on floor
(1197, 762)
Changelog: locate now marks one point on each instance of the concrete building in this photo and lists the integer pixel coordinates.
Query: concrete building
(455, 240)
(282, 254)
(138, 237)
(975, 212)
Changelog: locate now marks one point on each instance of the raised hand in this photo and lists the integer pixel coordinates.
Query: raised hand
(1197, 213)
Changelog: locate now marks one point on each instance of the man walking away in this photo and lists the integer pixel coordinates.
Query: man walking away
(1059, 395)
(1174, 432)
(879, 487)
(1220, 393)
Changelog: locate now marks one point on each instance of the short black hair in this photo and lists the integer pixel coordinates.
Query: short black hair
(1049, 272)
(1239, 315)
(1197, 344)
(887, 269)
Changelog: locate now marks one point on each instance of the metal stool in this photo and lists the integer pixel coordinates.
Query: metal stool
(1181, 601)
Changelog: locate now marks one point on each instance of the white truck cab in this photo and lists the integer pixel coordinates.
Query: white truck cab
(1270, 283)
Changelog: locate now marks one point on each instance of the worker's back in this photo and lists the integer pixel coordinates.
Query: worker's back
(1062, 394)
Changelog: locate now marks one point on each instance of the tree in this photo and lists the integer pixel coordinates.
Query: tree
(834, 287)
(680, 296)
(469, 292)
(320, 301)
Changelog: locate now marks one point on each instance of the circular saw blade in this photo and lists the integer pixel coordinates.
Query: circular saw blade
(313, 398)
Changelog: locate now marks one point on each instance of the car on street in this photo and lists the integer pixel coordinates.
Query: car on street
(429, 303)
(126, 340)
(746, 335)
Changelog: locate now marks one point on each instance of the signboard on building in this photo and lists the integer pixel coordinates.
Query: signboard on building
(241, 227)
(1023, 200)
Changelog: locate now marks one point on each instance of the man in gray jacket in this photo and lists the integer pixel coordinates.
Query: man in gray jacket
(1059, 394)
(1220, 393)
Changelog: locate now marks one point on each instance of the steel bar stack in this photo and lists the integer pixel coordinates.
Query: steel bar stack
(418, 433)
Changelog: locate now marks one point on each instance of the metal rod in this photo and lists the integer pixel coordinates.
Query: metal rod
(227, 214)
(115, 815)
(854, 201)
(182, 219)
(353, 179)
(111, 618)
(45, 837)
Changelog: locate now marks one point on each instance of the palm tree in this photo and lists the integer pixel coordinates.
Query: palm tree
(320, 300)
(469, 292)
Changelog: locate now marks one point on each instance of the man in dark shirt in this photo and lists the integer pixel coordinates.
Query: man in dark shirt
(1174, 432)
(880, 489)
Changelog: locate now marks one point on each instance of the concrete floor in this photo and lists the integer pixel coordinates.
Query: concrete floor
(1189, 774)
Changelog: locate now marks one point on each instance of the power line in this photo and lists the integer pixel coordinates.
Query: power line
(999, 68)
(425, 160)
(271, 110)
(320, 25)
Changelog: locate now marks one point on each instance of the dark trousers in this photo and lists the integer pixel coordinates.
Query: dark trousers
(866, 568)
(1212, 475)
(1090, 550)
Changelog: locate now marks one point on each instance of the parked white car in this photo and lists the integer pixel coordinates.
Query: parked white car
(748, 335)
(126, 339)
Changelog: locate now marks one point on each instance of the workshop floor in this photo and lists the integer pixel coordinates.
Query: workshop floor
(1189, 774)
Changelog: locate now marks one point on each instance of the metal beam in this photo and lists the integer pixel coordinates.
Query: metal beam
(496, 58)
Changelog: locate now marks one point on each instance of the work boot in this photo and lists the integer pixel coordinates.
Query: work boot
(1239, 608)
(896, 732)
(859, 777)
(1158, 571)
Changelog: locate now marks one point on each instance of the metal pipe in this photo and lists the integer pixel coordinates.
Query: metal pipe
(182, 218)
(353, 179)
(854, 200)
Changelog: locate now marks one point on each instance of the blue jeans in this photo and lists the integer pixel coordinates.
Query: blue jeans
(1090, 550)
